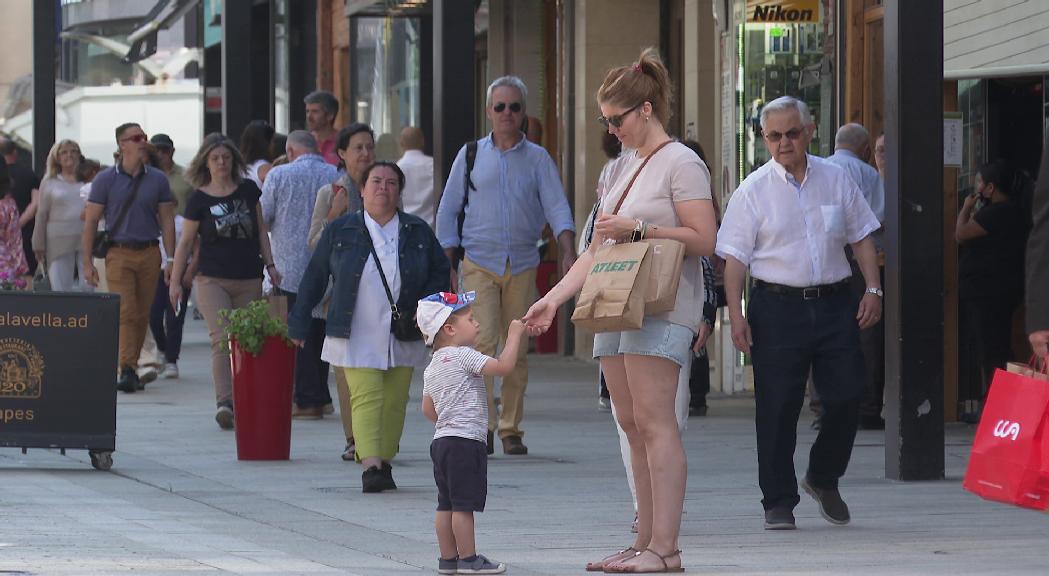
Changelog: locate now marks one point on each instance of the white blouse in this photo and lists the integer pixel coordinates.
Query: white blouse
(371, 345)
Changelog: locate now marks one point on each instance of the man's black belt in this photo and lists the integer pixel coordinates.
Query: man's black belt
(135, 245)
(807, 293)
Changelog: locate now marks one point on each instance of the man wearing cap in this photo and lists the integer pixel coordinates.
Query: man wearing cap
(133, 261)
(164, 323)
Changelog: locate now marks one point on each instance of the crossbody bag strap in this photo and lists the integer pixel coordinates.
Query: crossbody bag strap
(130, 200)
(382, 275)
(637, 173)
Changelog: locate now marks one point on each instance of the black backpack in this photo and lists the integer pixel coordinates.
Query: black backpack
(471, 156)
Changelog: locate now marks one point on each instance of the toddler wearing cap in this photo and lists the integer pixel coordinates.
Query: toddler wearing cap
(455, 399)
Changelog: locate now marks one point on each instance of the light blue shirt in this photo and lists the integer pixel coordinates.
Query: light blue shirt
(866, 177)
(288, 197)
(518, 192)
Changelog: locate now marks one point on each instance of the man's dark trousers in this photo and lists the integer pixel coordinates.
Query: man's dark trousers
(311, 373)
(790, 336)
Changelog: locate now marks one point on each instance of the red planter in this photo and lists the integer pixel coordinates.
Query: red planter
(262, 391)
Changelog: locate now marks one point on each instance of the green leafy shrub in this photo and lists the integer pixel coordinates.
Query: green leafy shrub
(251, 325)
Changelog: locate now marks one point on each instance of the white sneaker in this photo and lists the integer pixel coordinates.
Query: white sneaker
(171, 370)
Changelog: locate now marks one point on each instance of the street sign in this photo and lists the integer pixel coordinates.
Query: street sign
(58, 356)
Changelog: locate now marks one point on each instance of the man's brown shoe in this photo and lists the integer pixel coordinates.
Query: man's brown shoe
(513, 446)
(315, 413)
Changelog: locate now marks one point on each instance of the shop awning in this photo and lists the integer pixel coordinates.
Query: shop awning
(995, 38)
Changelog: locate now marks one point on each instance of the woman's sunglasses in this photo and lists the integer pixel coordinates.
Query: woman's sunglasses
(617, 120)
(515, 107)
(137, 138)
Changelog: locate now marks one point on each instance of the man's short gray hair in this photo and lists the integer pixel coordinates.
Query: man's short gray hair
(512, 82)
(302, 140)
(327, 100)
(852, 137)
(785, 104)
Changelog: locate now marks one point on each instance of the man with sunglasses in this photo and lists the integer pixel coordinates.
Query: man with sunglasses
(514, 191)
(789, 222)
(133, 260)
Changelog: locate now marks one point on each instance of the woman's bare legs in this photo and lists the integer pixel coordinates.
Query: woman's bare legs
(657, 455)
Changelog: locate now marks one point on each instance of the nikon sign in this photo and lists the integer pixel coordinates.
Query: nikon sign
(783, 11)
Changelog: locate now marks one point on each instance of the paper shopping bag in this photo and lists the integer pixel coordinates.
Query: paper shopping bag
(667, 257)
(1008, 453)
(613, 295)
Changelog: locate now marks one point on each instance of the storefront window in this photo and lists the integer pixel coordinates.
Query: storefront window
(386, 69)
(16, 74)
(785, 48)
(971, 103)
(281, 108)
(117, 64)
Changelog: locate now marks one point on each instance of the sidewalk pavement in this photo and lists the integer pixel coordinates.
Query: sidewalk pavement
(177, 501)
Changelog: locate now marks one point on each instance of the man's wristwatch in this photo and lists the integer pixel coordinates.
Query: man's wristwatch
(876, 291)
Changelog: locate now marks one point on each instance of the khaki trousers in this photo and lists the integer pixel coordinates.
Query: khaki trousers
(501, 299)
(214, 295)
(133, 274)
(345, 405)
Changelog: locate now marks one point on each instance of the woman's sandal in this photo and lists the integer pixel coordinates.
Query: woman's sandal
(621, 555)
(630, 569)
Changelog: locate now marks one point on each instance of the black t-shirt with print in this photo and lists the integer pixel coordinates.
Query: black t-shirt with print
(229, 232)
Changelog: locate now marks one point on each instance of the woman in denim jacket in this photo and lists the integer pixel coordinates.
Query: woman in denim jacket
(359, 336)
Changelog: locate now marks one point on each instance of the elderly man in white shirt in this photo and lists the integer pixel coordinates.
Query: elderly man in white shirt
(417, 197)
(790, 221)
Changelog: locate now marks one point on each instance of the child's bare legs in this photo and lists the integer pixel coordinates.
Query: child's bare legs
(455, 534)
(463, 529)
(445, 534)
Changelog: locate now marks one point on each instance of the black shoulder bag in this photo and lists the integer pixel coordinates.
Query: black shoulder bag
(103, 239)
(402, 327)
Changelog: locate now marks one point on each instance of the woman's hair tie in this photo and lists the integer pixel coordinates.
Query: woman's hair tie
(636, 67)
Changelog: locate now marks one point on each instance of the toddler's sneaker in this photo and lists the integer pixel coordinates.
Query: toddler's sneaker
(447, 566)
(479, 565)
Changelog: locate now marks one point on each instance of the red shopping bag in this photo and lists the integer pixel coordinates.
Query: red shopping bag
(1009, 452)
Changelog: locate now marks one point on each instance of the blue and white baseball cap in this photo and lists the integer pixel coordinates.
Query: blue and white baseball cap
(435, 309)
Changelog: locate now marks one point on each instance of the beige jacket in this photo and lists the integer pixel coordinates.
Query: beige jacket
(323, 206)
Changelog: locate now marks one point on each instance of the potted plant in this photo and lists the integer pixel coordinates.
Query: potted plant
(263, 361)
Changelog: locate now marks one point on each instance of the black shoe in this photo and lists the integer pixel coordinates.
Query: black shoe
(491, 442)
(387, 474)
(781, 518)
(872, 423)
(700, 410)
(832, 507)
(372, 481)
(815, 425)
(128, 380)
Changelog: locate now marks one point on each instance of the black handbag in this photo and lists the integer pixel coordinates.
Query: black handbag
(402, 326)
(102, 242)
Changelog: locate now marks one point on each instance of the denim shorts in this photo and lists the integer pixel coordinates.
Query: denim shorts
(655, 338)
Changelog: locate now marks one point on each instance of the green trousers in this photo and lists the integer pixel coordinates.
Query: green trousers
(380, 398)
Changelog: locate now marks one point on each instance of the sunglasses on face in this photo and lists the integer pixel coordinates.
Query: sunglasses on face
(792, 134)
(515, 107)
(137, 138)
(616, 121)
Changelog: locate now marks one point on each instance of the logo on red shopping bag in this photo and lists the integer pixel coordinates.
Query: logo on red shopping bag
(1007, 429)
